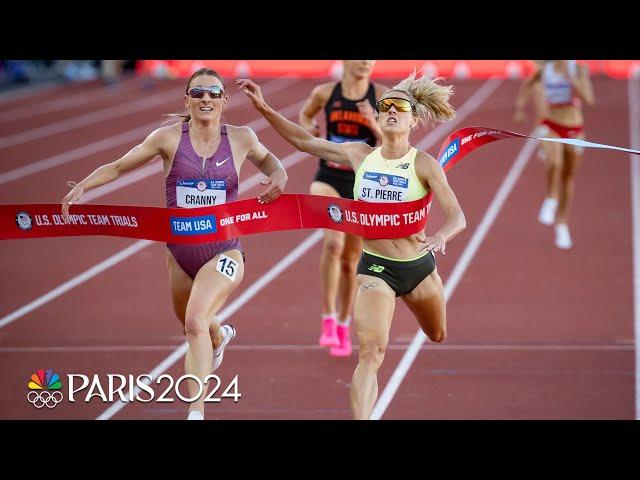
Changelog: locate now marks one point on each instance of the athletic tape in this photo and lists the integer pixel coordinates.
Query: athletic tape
(370, 220)
(217, 223)
(463, 141)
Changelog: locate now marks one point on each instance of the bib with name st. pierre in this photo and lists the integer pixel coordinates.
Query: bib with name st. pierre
(387, 181)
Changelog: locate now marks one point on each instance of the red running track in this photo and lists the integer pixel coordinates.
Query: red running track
(533, 332)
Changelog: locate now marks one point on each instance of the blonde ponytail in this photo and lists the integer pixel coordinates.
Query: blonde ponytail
(432, 99)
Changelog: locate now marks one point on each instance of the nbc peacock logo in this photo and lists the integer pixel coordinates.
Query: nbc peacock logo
(44, 389)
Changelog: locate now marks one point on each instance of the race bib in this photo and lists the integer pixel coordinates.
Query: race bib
(227, 266)
(193, 193)
(558, 92)
(382, 187)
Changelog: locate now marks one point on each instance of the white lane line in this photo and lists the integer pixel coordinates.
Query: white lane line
(234, 306)
(23, 92)
(76, 153)
(175, 356)
(114, 141)
(90, 118)
(296, 347)
(132, 249)
(634, 129)
(148, 101)
(456, 275)
(66, 102)
(75, 281)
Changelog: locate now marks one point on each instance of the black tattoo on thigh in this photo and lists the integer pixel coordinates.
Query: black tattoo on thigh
(369, 286)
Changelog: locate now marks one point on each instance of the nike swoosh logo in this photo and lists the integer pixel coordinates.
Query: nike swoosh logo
(220, 163)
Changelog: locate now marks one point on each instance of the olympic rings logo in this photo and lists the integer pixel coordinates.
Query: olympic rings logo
(40, 399)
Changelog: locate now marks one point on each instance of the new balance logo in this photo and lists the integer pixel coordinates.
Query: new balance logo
(376, 268)
(404, 166)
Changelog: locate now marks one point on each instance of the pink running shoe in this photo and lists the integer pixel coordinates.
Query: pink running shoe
(329, 337)
(344, 349)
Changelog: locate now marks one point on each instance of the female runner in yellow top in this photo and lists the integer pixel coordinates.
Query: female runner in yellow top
(393, 172)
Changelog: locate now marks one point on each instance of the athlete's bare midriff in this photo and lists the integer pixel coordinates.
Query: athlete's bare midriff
(397, 248)
(567, 115)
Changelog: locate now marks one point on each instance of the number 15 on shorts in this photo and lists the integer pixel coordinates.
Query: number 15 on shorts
(227, 266)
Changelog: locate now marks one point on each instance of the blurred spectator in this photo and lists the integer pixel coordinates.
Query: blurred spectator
(15, 71)
(111, 71)
(19, 72)
(75, 70)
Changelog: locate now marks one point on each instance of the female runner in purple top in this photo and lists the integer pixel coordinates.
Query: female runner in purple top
(201, 160)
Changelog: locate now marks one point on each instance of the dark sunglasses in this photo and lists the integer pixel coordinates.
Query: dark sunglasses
(401, 104)
(198, 92)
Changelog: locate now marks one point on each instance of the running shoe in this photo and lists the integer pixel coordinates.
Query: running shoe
(195, 415)
(548, 211)
(328, 335)
(228, 334)
(563, 237)
(344, 349)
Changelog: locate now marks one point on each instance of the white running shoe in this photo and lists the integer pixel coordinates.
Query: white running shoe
(548, 211)
(563, 238)
(195, 415)
(228, 334)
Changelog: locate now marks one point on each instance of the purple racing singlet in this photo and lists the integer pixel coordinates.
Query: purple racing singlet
(194, 182)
